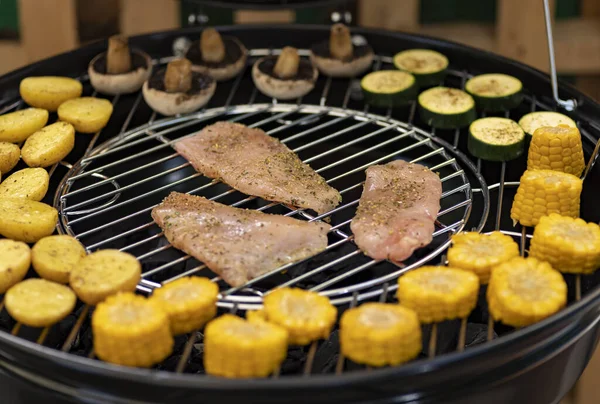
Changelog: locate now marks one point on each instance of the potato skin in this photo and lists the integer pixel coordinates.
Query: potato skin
(49, 145)
(54, 257)
(25, 220)
(10, 154)
(86, 114)
(48, 92)
(17, 126)
(15, 257)
(30, 183)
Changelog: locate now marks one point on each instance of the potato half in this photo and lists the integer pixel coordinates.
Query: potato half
(19, 125)
(86, 114)
(15, 258)
(49, 145)
(54, 257)
(25, 220)
(10, 154)
(48, 92)
(30, 183)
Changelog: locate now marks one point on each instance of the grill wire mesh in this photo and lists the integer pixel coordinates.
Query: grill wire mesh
(106, 196)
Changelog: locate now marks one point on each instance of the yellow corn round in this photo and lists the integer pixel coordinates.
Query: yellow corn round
(524, 291)
(556, 148)
(131, 330)
(479, 253)
(439, 293)
(569, 245)
(542, 192)
(307, 316)
(236, 348)
(190, 303)
(380, 334)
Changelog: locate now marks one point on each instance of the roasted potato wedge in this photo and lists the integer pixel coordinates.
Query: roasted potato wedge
(30, 183)
(15, 258)
(104, 273)
(10, 154)
(25, 220)
(19, 125)
(39, 303)
(49, 145)
(48, 92)
(86, 114)
(54, 257)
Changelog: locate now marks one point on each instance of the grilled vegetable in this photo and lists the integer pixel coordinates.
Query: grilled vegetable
(25, 220)
(256, 315)
(307, 316)
(189, 302)
(542, 192)
(17, 126)
(39, 303)
(48, 92)
(49, 145)
(428, 66)
(438, 293)
(131, 330)
(379, 334)
(535, 120)
(495, 92)
(496, 139)
(569, 245)
(556, 148)
(523, 291)
(10, 154)
(54, 257)
(86, 114)
(480, 253)
(389, 88)
(446, 108)
(30, 183)
(15, 258)
(236, 348)
(104, 273)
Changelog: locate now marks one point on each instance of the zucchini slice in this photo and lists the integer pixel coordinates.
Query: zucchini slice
(446, 108)
(495, 92)
(496, 139)
(429, 67)
(389, 88)
(535, 120)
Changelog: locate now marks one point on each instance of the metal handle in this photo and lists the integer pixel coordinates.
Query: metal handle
(569, 105)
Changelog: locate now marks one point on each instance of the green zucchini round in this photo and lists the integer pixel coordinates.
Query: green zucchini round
(389, 88)
(495, 92)
(496, 139)
(535, 120)
(428, 66)
(446, 108)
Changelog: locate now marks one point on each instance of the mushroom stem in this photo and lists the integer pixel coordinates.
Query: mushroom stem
(211, 46)
(287, 63)
(340, 43)
(178, 77)
(118, 58)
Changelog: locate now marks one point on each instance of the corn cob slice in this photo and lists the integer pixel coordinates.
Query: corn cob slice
(307, 316)
(39, 303)
(556, 148)
(523, 291)
(569, 245)
(131, 330)
(479, 253)
(189, 302)
(438, 293)
(236, 348)
(380, 334)
(542, 192)
(256, 315)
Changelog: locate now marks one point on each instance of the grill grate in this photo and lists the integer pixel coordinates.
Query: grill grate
(106, 197)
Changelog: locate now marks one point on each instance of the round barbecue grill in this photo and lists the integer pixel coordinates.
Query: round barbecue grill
(109, 183)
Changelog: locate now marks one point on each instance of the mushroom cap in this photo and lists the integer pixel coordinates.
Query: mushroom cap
(329, 66)
(124, 83)
(283, 89)
(219, 71)
(169, 104)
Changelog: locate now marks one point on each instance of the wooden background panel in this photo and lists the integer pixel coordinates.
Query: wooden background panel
(390, 14)
(142, 16)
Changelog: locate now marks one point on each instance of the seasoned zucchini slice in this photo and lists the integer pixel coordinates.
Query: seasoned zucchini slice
(495, 92)
(389, 88)
(446, 108)
(428, 66)
(496, 139)
(535, 120)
